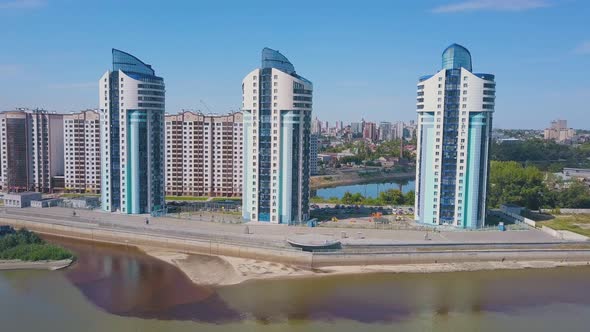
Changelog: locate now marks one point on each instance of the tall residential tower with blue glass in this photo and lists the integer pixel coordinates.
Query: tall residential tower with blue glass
(277, 126)
(455, 108)
(131, 136)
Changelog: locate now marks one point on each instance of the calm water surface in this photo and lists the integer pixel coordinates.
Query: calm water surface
(367, 189)
(114, 288)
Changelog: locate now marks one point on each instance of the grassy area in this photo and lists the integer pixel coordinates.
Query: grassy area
(579, 223)
(317, 199)
(76, 195)
(221, 199)
(186, 198)
(28, 246)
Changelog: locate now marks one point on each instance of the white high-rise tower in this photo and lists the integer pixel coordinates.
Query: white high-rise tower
(277, 107)
(455, 108)
(132, 136)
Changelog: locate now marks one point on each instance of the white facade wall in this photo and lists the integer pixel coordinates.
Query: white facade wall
(283, 120)
(431, 101)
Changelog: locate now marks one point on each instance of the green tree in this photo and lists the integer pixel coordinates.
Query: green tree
(410, 197)
(510, 182)
(575, 196)
(391, 197)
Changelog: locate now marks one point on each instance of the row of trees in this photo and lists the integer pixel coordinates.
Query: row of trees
(546, 155)
(511, 182)
(388, 197)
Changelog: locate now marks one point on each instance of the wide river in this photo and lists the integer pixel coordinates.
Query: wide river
(112, 288)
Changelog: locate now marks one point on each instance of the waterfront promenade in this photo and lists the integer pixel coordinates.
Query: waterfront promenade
(268, 242)
(271, 234)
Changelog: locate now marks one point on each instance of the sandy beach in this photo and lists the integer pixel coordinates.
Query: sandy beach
(224, 270)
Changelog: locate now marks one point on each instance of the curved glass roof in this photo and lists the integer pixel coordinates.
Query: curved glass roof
(274, 59)
(130, 64)
(455, 57)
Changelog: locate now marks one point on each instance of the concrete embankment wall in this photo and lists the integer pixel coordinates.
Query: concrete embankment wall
(292, 257)
(463, 256)
(300, 258)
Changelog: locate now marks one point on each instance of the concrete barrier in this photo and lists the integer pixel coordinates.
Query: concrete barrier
(300, 258)
(568, 211)
(285, 256)
(561, 255)
(564, 235)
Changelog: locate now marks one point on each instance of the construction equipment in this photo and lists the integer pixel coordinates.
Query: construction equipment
(206, 106)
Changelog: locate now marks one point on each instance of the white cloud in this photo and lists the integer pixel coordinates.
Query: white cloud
(583, 48)
(82, 85)
(492, 5)
(21, 4)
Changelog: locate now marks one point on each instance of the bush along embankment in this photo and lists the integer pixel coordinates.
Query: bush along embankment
(28, 246)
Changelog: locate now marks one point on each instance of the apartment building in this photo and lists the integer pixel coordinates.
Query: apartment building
(204, 154)
(82, 152)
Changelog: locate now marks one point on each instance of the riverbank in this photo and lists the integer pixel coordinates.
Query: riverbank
(234, 257)
(351, 177)
(225, 271)
(15, 264)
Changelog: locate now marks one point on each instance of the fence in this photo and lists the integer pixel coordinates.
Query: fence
(514, 217)
(567, 211)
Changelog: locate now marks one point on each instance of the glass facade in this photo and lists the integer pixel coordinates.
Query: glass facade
(264, 145)
(130, 64)
(456, 57)
(274, 59)
(449, 146)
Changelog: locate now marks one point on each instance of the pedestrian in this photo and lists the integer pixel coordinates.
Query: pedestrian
(147, 221)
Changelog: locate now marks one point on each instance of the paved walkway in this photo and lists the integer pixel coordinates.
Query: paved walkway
(275, 235)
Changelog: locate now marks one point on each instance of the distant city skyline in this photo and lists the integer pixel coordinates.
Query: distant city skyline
(363, 59)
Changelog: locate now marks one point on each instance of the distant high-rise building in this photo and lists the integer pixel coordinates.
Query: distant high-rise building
(559, 131)
(47, 149)
(316, 126)
(370, 131)
(398, 130)
(204, 154)
(356, 128)
(132, 136)
(455, 108)
(313, 154)
(82, 152)
(385, 131)
(15, 151)
(277, 105)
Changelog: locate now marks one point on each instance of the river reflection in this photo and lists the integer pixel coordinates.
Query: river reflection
(124, 281)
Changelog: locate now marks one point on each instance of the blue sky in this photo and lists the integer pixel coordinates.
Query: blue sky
(363, 57)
